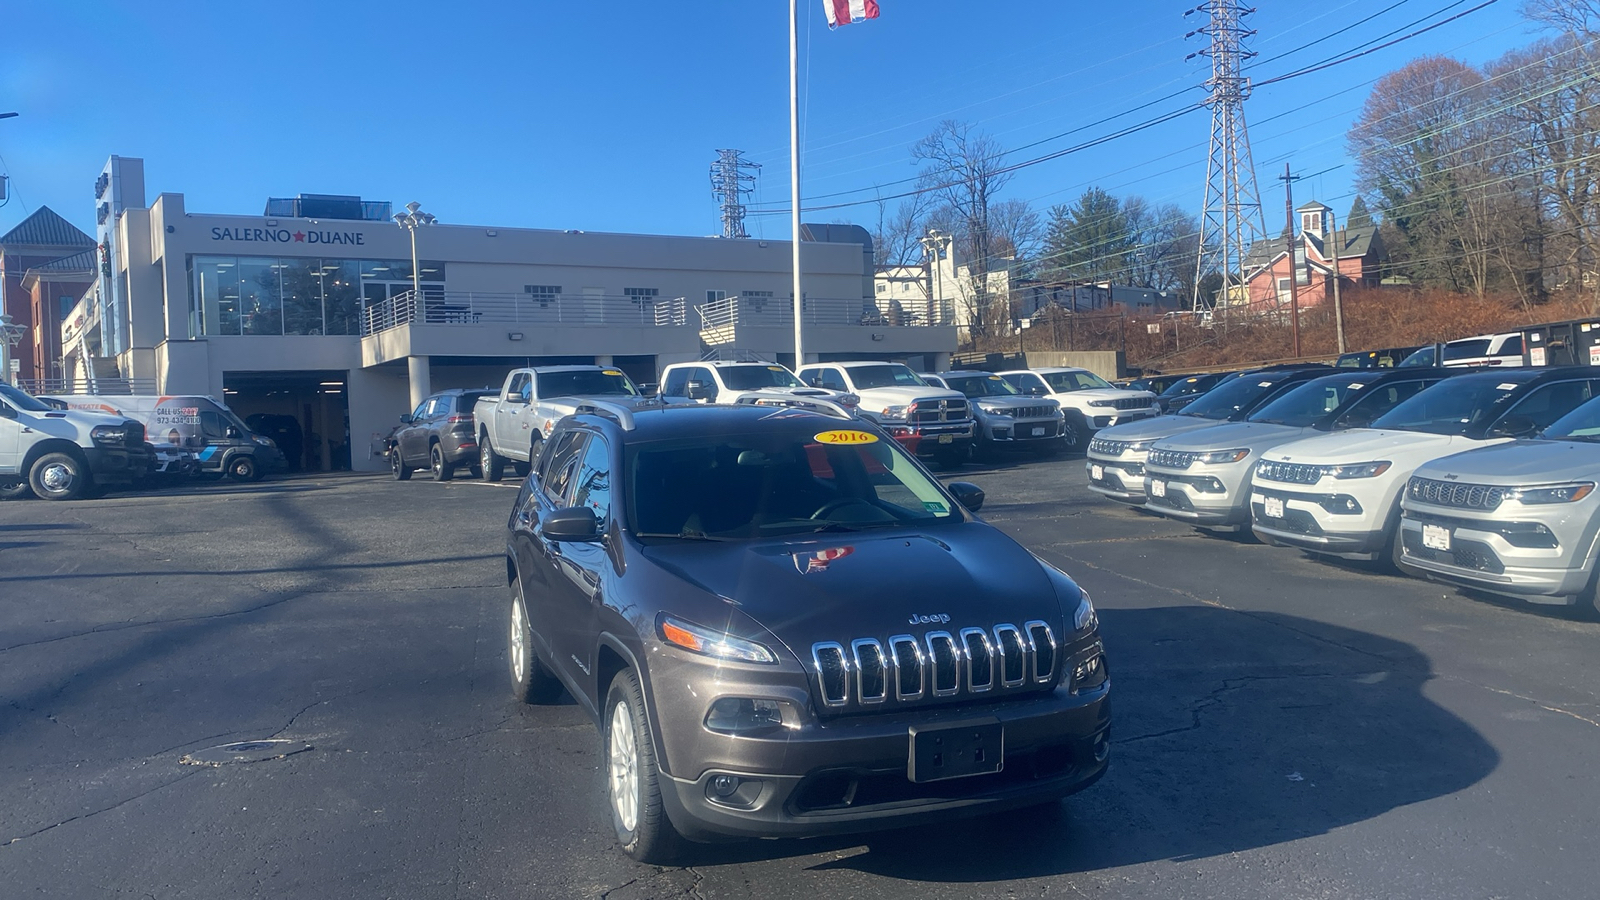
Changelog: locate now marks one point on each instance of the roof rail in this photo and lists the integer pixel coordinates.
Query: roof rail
(621, 412)
(812, 404)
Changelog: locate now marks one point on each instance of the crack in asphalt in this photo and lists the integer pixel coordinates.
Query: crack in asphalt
(1215, 697)
(89, 815)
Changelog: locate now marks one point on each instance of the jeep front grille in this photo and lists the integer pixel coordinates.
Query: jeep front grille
(1463, 496)
(1293, 473)
(1031, 412)
(1108, 447)
(939, 664)
(1129, 403)
(1172, 459)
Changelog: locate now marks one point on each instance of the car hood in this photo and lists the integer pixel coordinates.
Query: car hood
(1519, 463)
(1088, 394)
(570, 403)
(1004, 403)
(904, 396)
(1366, 444)
(871, 584)
(1230, 435)
(1155, 429)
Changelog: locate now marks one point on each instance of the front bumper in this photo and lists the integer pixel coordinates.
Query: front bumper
(1019, 431)
(1541, 557)
(850, 774)
(1122, 478)
(111, 465)
(1211, 498)
(1309, 522)
(926, 440)
(1098, 419)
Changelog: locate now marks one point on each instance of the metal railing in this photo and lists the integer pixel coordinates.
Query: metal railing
(772, 312)
(107, 386)
(480, 307)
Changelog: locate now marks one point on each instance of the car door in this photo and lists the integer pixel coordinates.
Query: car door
(676, 383)
(561, 596)
(10, 439)
(508, 413)
(832, 379)
(587, 567)
(413, 437)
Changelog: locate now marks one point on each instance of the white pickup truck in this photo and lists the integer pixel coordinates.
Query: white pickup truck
(64, 454)
(928, 421)
(513, 424)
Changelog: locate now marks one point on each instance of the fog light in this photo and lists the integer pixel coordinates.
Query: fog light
(741, 715)
(724, 786)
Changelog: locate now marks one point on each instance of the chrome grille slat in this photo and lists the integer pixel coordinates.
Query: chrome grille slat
(906, 654)
(946, 665)
(833, 672)
(1013, 655)
(870, 671)
(1042, 641)
(980, 659)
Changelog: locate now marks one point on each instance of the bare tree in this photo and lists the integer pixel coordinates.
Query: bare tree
(962, 174)
(896, 237)
(1576, 16)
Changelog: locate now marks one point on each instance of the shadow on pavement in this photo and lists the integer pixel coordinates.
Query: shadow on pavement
(1234, 731)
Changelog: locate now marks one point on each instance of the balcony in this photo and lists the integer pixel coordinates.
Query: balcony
(832, 325)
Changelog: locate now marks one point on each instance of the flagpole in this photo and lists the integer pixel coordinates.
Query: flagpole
(794, 176)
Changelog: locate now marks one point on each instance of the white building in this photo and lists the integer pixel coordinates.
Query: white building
(310, 310)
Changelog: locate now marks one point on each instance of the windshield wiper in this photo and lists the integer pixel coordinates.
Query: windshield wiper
(684, 535)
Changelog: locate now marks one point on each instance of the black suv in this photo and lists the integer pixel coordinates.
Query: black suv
(784, 626)
(439, 434)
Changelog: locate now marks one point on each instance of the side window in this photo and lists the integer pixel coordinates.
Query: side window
(420, 411)
(211, 426)
(1512, 346)
(1552, 401)
(519, 384)
(677, 382)
(1380, 400)
(593, 481)
(833, 379)
(557, 467)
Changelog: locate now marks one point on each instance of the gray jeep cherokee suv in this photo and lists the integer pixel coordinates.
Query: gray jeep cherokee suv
(784, 626)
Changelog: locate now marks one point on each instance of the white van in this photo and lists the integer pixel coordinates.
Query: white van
(220, 442)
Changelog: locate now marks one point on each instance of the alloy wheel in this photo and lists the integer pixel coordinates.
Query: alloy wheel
(623, 767)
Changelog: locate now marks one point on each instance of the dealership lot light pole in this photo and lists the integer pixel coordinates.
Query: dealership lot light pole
(409, 220)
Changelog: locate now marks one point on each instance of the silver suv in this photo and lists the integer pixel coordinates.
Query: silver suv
(1005, 418)
(1519, 519)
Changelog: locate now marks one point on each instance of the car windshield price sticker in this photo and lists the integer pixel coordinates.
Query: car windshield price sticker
(846, 437)
(1436, 537)
(1158, 488)
(1273, 507)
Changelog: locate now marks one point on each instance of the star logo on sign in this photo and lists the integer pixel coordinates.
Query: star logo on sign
(299, 235)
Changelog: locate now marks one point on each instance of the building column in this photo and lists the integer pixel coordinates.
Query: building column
(421, 385)
(603, 360)
(941, 362)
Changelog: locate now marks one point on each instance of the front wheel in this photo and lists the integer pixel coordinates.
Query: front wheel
(397, 465)
(950, 456)
(633, 781)
(243, 468)
(531, 682)
(1076, 434)
(59, 476)
(492, 463)
(18, 491)
(442, 470)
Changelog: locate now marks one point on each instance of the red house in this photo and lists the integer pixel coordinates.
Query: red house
(1268, 268)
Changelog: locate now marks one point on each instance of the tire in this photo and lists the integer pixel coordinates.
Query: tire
(442, 471)
(531, 682)
(19, 491)
(1588, 605)
(492, 463)
(632, 778)
(59, 476)
(397, 465)
(534, 449)
(521, 468)
(1076, 433)
(243, 468)
(949, 457)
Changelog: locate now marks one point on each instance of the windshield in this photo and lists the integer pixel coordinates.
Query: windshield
(1454, 405)
(1301, 407)
(869, 377)
(602, 382)
(1237, 395)
(1456, 350)
(1582, 424)
(1195, 384)
(1423, 357)
(752, 378)
(20, 400)
(1064, 382)
(982, 386)
(739, 487)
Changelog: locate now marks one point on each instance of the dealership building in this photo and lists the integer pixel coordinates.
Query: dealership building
(312, 308)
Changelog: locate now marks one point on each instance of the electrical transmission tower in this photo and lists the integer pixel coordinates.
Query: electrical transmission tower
(732, 179)
(1232, 217)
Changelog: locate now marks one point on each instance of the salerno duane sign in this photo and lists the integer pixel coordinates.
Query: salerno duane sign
(287, 236)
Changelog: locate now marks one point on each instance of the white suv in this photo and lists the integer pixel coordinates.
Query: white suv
(1089, 402)
(928, 421)
(1340, 494)
(1484, 350)
(723, 381)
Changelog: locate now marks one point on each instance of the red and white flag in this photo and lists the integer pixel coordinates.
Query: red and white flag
(843, 12)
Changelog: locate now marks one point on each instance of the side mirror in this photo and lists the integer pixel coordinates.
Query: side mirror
(1515, 427)
(1355, 419)
(1037, 391)
(406, 419)
(967, 494)
(575, 523)
(7, 412)
(233, 433)
(697, 390)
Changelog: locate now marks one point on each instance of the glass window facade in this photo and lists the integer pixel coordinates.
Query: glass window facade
(254, 295)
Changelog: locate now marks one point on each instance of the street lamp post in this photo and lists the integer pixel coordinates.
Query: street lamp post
(409, 220)
(10, 336)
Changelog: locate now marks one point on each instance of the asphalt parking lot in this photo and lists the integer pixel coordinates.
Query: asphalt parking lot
(1283, 727)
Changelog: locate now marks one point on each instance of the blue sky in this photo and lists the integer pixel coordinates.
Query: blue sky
(606, 116)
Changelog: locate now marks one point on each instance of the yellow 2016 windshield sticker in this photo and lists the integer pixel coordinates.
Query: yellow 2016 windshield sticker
(846, 437)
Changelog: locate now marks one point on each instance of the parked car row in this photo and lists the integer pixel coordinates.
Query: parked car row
(1474, 476)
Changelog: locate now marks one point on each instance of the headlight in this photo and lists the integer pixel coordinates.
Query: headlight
(1085, 618)
(109, 434)
(996, 412)
(264, 441)
(893, 412)
(1358, 470)
(708, 642)
(1102, 403)
(1561, 493)
(742, 715)
(1221, 457)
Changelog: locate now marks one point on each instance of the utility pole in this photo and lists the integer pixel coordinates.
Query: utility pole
(1334, 240)
(1290, 244)
(1231, 219)
(732, 179)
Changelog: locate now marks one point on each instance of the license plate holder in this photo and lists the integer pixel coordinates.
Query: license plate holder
(1436, 537)
(1272, 507)
(1038, 431)
(975, 747)
(1098, 473)
(947, 438)
(1158, 488)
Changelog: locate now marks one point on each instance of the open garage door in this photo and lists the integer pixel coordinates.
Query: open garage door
(306, 413)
